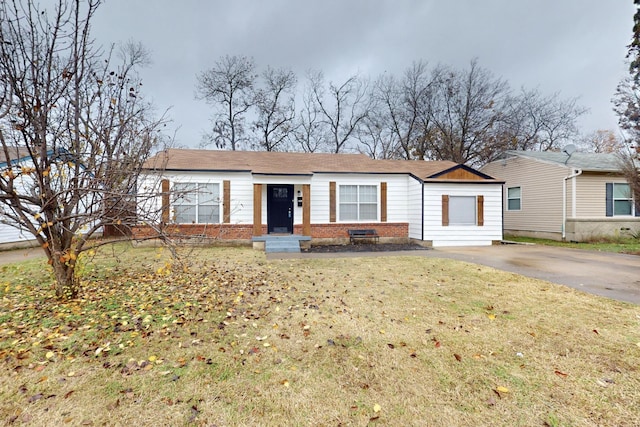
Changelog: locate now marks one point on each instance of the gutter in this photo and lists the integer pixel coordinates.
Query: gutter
(575, 173)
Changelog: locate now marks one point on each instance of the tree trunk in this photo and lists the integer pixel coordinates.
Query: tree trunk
(67, 284)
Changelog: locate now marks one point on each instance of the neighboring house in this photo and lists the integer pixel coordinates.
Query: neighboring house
(10, 236)
(239, 195)
(573, 197)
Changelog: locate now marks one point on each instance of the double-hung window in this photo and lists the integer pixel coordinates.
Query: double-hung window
(196, 203)
(514, 198)
(619, 199)
(358, 203)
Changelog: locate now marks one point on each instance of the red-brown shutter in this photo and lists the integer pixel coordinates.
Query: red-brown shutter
(480, 210)
(226, 202)
(445, 210)
(332, 201)
(165, 201)
(383, 202)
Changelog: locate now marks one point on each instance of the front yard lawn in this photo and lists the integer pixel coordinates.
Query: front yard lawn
(228, 338)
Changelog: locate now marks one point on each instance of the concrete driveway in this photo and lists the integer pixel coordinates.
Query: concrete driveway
(611, 275)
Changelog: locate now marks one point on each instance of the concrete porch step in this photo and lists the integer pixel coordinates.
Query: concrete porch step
(281, 243)
(273, 246)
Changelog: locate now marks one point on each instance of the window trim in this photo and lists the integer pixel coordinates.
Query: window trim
(519, 198)
(216, 201)
(610, 207)
(478, 207)
(358, 203)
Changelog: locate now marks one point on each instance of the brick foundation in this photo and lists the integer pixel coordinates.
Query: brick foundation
(387, 230)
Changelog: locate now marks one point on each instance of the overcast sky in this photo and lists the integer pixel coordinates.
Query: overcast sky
(575, 47)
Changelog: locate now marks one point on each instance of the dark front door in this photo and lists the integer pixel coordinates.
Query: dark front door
(280, 208)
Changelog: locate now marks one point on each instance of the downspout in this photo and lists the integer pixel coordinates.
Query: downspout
(575, 173)
(422, 216)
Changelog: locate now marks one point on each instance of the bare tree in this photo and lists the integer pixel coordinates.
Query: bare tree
(602, 141)
(407, 106)
(309, 131)
(533, 121)
(467, 107)
(74, 130)
(341, 108)
(626, 103)
(228, 87)
(276, 108)
(377, 140)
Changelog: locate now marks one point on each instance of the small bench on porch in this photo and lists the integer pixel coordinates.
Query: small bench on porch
(364, 234)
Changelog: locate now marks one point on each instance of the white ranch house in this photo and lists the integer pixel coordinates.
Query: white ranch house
(242, 195)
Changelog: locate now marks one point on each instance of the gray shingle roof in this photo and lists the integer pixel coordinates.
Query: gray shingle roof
(592, 162)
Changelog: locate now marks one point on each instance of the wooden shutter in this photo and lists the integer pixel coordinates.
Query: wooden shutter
(445, 210)
(226, 202)
(480, 201)
(609, 198)
(165, 200)
(332, 201)
(306, 209)
(383, 202)
(257, 209)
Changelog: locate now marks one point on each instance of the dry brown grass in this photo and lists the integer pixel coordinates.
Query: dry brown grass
(236, 340)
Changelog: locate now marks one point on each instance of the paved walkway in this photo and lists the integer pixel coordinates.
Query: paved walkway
(615, 276)
(17, 255)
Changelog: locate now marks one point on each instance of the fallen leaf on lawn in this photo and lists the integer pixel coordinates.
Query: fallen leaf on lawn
(595, 331)
(69, 393)
(49, 354)
(502, 389)
(458, 357)
(285, 383)
(491, 316)
(377, 408)
(437, 344)
(561, 374)
(35, 398)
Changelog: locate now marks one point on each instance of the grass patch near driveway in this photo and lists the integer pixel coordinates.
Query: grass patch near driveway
(229, 338)
(624, 245)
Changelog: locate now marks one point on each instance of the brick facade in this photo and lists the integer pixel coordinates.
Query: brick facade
(245, 231)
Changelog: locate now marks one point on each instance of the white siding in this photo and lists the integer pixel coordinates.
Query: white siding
(9, 234)
(462, 235)
(397, 198)
(241, 191)
(414, 209)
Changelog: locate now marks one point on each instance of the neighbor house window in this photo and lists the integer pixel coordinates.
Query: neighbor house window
(462, 210)
(196, 203)
(358, 203)
(619, 199)
(514, 197)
